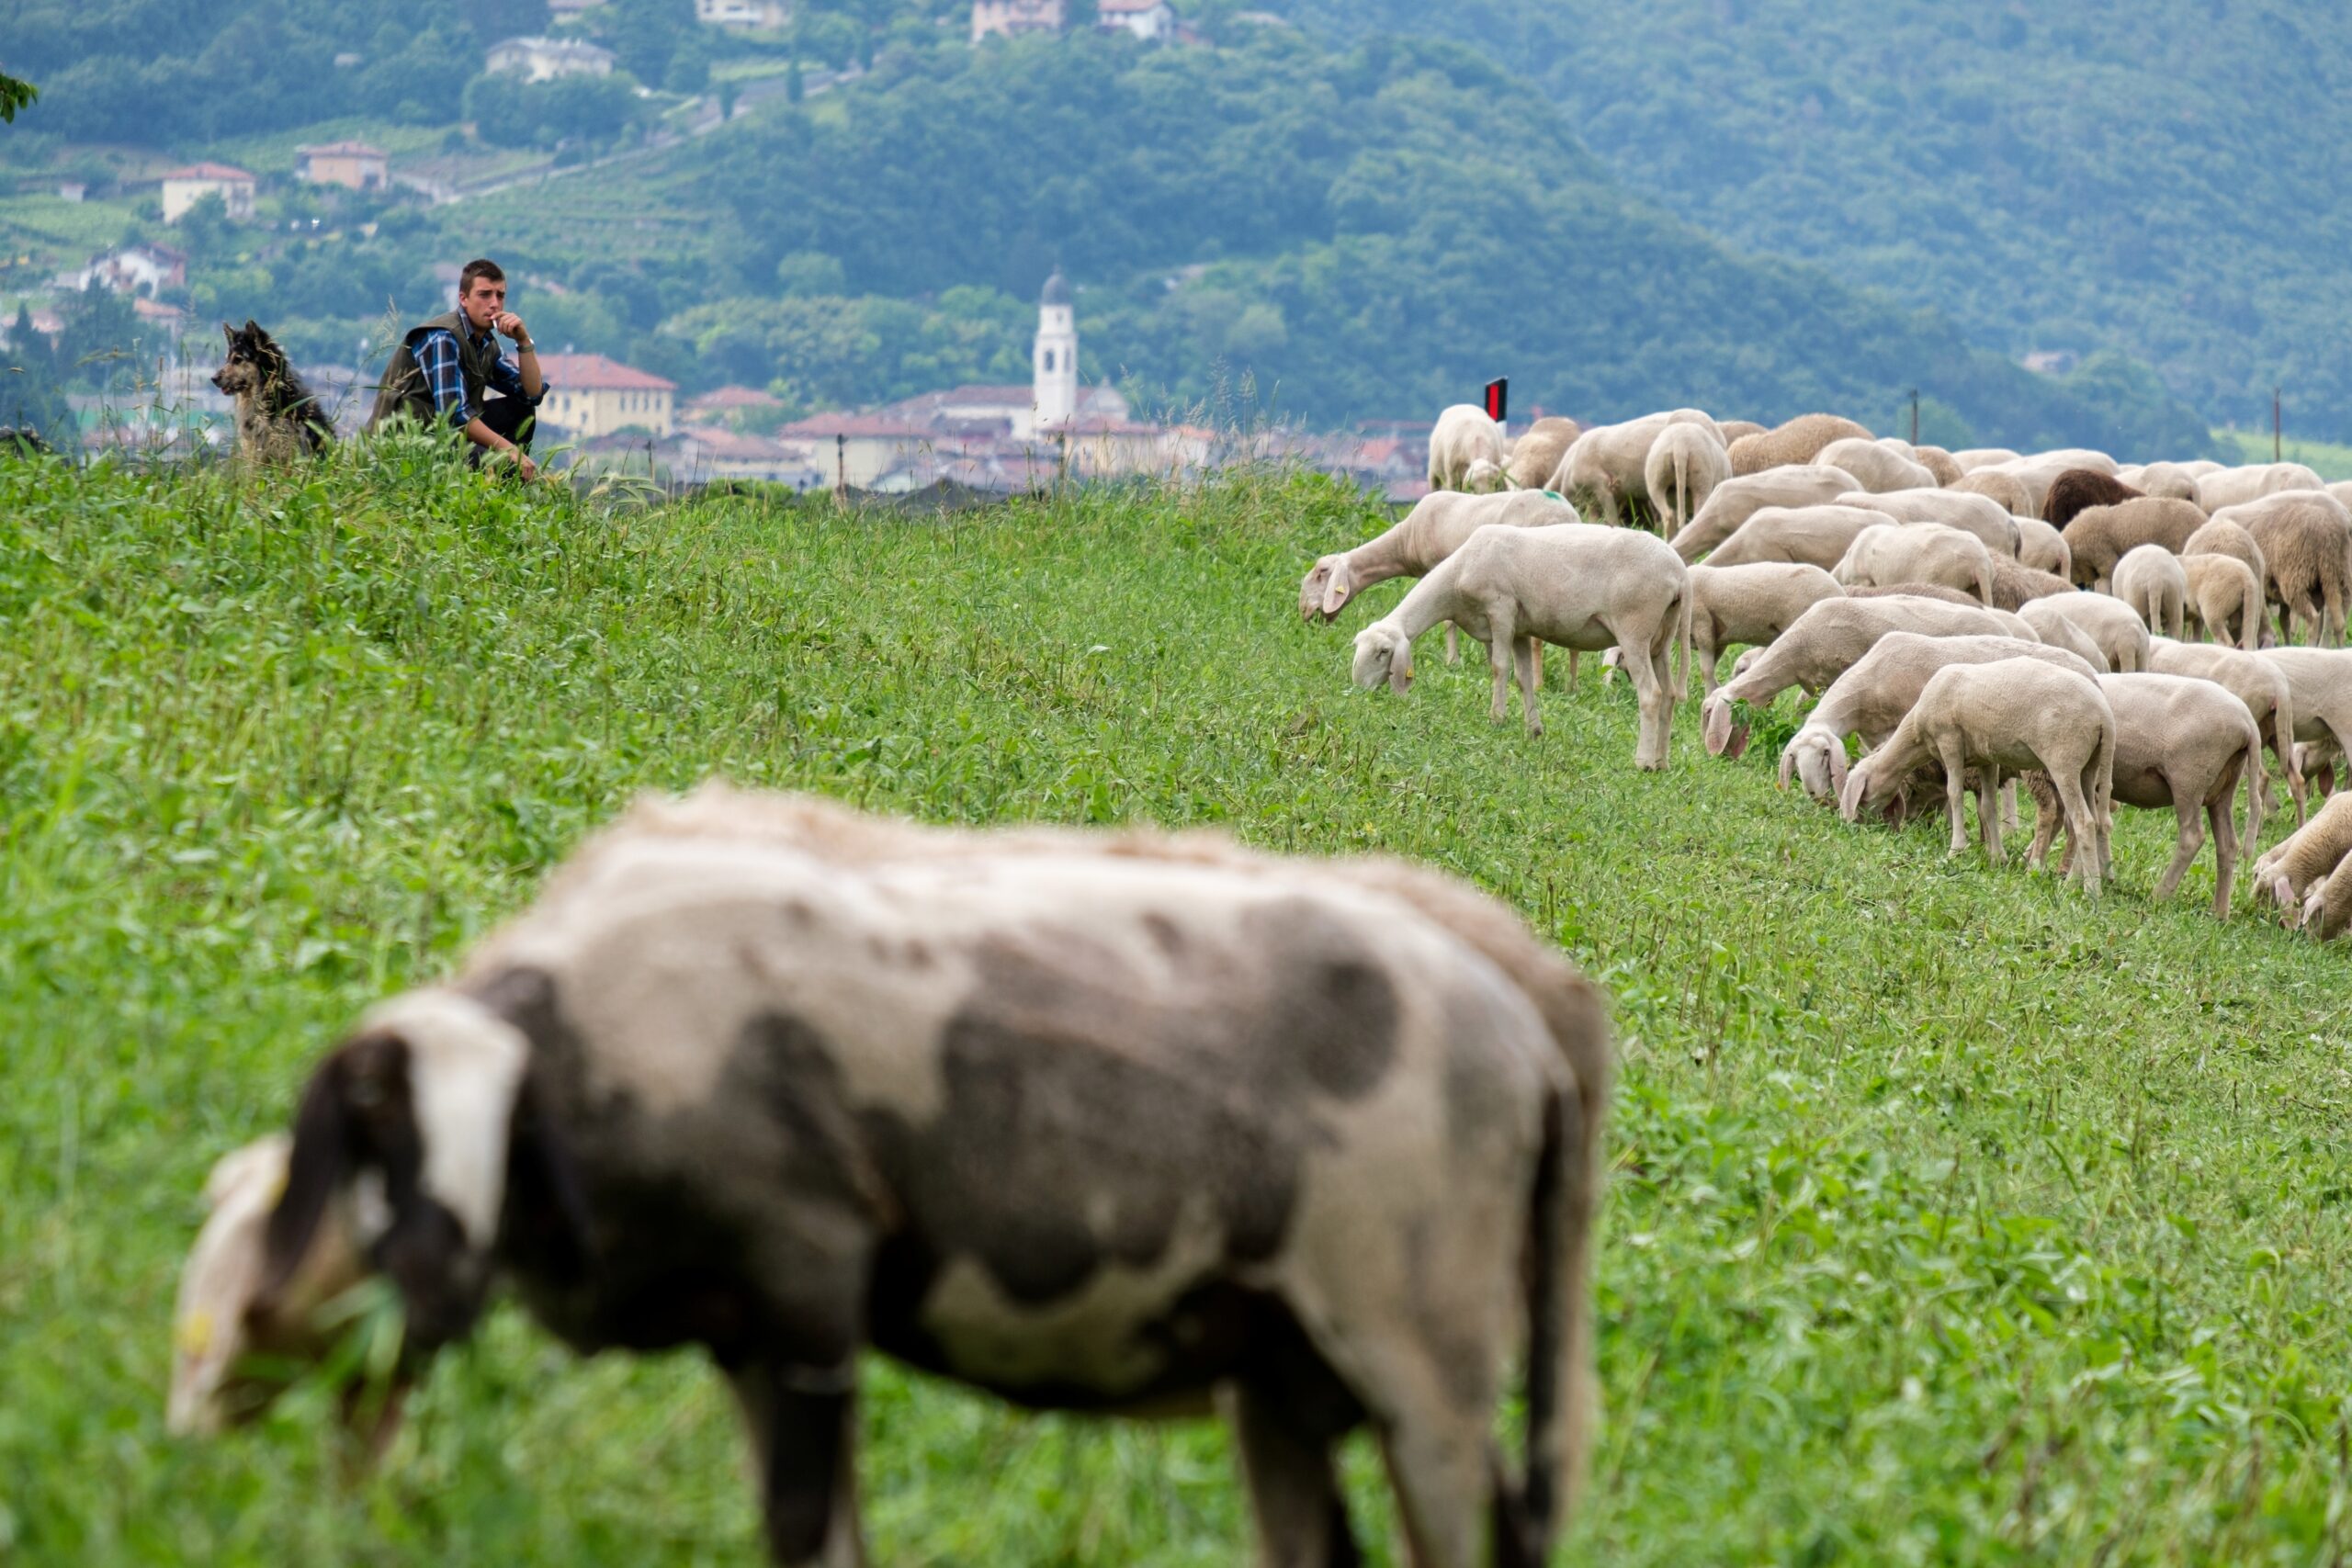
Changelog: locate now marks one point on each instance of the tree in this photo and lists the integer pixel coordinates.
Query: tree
(14, 95)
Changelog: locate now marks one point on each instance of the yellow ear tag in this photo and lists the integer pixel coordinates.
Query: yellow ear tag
(196, 1332)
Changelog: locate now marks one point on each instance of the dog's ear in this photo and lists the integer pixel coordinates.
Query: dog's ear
(319, 1164)
(229, 332)
(253, 328)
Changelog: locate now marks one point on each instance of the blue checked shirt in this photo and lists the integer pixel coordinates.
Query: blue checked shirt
(436, 357)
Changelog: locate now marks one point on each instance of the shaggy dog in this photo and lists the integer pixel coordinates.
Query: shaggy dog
(22, 440)
(277, 419)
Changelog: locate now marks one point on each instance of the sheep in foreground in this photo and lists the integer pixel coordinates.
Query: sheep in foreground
(2004, 489)
(2226, 596)
(1891, 553)
(2233, 487)
(1869, 699)
(2181, 743)
(1822, 643)
(2113, 626)
(2261, 686)
(1974, 514)
(2077, 490)
(1750, 604)
(1817, 535)
(1433, 530)
(2302, 546)
(2319, 681)
(2150, 579)
(2228, 538)
(1792, 443)
(1605, 470)
(1463, 435)
(727, 1086)
(1734, 501)
(1876, 467)
(2042, 547)
(1579, 587)
(2098, 536)
(2287, 871)
(1537, 453)
(1685, 464)
(2010, 717)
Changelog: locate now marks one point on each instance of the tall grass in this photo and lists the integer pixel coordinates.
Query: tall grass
(1957, 1218)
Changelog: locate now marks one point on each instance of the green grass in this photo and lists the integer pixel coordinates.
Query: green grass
(2331, 460)
(1957, 1218)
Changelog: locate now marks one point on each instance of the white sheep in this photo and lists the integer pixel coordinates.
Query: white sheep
(1822, 643)
(1580, 587)
(2181, 743)
(1889, 555)
(2228, 538)
(2319, 681)
(2042, 547)
(2169, 480)
(1818, 536)
(2226, 594)
(2150, 579)
(2265, 689)
(1877, 467)
(2011, 716)
(1606, 468)
(2039, 471)
(1433, 530)
(2120, 634)
(2233, 487)
(1870, 698)
(1751, 603)
(1484, 478)
(1977, 515)
(1973, 459)
(1463, 435)
(1686, 462)
(2004, 490)
(1537, 452)
(2287, 871)
(1736, 499)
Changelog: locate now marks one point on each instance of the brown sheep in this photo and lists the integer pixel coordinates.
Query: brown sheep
(1733, 429)
(2077, 490)
(1536, 454)
(1937, 461)
(2006, 489)
(1798, 441)
(2098, 536)
(2224, 538)
(2304, 545)
(2014, 583)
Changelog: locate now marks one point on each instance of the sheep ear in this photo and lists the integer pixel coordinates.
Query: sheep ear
(1788, 764)
(1400, 667)
(1335, 592)
(320, 1163)
(1838, 766)
(1718, 727)
(1737, 745)
(1850, 798)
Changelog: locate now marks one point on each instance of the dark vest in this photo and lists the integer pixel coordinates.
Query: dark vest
(405, 394)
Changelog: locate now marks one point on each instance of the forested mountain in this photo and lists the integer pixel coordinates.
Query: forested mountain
(2171, 178)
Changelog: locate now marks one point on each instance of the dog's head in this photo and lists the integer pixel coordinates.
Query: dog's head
(254, 360)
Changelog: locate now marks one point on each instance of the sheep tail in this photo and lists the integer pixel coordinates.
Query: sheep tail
(1559, 1395)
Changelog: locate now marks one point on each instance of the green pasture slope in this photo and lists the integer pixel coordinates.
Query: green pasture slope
(1957, 1219)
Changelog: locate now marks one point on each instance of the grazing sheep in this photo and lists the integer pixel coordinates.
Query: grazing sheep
(2014, 583)
(1970, 459)
(2164, 478)
(2039, 472)
(2013, 716)
(1536, 454)
(2112, 625)
(1939, 462)
(2342, 490)
(2228, 538)
(2004, 489)
(1484, 478)
(1870, 698)
(1685, 465)
(2302, 546)
(2226, 596)
(1977, 515)
(1580, 587)
(2098, 536)
(2287, 871)
(2042, 547)
(2319, 681)
(224, 1324)
(1819, 536)
(1935, 590)
(1605, 471)
(1732, 430)
(1890, 553)
(2078, 489)
(2327, 908)
(2261, 686)
(2180, 743)
(1822, 643)
(1877, 467)
(1750, 604)
(1463, 435)
(2149, 578)
(731, 1090)
(1792, 443)
(1433, 530)
(1735, 500)
(2233, 487)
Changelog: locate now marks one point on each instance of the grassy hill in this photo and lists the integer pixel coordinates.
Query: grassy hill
(2165, 179)
(1956, 1218)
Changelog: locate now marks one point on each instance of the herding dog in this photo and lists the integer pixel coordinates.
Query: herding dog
(278, 420)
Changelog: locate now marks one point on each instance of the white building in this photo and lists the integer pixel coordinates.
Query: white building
(543, 58)
(1009, 19)
(743, 14)
(1054, 358)
(1144, 19)
(183, 188)
(143, 269)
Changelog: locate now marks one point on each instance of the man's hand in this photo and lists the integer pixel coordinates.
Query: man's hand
(525, 465)
(509, 324)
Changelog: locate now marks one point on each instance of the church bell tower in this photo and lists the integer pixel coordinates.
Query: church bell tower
(1055, 358)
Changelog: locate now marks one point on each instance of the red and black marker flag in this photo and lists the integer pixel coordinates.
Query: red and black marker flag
(1497, 398)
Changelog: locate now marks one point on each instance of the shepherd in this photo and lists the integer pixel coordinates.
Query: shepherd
(449, 370)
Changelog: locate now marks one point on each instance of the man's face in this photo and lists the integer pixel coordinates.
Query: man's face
(482, 301)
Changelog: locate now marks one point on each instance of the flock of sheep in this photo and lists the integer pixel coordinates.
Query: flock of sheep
(1969, 618)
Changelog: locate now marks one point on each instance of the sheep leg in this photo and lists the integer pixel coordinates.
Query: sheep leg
(1704, 653)
(1949, 754)
(2009, 819)
(803, 1445)
(2082, 828)
(1988, 813)
(1501, 653)
(1301, 1517)
(1453, 643)
(2189, 815)
(2045, 829)
(2225, 847)
(1649, 694)
(1537, 649)
(1523, 658)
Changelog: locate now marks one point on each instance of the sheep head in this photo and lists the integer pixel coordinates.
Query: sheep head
(1866, 784)
(1326, 589)
(1818, 761)
(1383, 653)
(1727, 736)
(1484, 477)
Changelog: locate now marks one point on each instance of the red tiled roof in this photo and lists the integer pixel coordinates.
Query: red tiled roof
(734, 397)
(208, 172)
(594, 373)
(733, 444)
(866, 424)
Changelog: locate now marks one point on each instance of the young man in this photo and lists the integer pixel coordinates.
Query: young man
(449, 368)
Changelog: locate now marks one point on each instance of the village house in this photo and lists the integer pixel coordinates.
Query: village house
(183, 188)
(706, 453)
(1009, 19)
(589, 395)
(544, 59)
(143, 269)
(353, 165)
(727, 402)
(742, 16)
(1144, 19)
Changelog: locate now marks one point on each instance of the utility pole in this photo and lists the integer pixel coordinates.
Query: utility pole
(2274, 424)
(1914, 416)
(840, 470)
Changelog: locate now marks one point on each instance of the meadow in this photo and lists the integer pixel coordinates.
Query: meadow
(1956, 1218)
